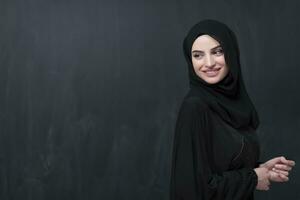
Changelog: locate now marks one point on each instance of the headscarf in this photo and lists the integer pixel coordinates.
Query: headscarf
(228, 98)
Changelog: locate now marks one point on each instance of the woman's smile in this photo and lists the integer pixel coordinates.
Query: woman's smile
(212, 72)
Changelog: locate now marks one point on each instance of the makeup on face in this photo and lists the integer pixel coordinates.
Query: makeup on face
(208, 59)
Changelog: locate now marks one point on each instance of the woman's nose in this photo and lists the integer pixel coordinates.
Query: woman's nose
(209, 61)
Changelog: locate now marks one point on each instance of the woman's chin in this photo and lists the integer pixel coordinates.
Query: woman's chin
(211, 80)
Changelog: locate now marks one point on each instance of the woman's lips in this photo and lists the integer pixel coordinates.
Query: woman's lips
(212, 72)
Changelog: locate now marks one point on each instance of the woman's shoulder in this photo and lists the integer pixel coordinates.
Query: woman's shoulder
(194, 104)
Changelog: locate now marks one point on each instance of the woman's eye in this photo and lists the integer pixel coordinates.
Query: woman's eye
(218, 52)
(197, 56)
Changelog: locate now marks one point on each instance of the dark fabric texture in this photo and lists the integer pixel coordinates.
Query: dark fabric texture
(229, 97)
(215, 144)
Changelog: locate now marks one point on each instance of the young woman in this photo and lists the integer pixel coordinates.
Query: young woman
(216, 149)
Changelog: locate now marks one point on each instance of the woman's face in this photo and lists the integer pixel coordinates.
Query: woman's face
(208, 59)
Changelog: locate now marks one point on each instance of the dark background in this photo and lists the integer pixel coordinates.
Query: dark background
(90, 89)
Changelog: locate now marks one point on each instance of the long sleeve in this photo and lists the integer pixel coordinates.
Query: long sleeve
(258, 163)
(193, 176)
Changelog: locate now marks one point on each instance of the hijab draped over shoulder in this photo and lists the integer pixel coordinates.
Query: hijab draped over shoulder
(228, 98)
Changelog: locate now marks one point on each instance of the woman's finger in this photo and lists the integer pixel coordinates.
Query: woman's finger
(283, 177)
(283, 167)
(286, 173)
(286, 161)
(291, 163)
(277, 177)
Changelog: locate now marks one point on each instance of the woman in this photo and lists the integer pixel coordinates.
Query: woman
(216, 150)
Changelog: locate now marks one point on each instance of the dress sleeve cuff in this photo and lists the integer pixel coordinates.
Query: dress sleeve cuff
(258, 163)
(254, 177)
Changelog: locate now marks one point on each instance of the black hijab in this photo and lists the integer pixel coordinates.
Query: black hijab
(228, 98)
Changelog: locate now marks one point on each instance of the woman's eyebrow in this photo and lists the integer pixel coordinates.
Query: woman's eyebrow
(199, 51)
(216, 47)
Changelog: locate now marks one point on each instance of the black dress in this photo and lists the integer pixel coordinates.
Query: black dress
(211, 159)
(215, 146)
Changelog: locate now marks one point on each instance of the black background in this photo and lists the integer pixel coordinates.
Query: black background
(90, 89)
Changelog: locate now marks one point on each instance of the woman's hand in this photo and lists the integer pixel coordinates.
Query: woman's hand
(276, 170)
(279, 168)
(263, 178)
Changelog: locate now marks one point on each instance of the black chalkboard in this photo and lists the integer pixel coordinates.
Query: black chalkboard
(90, 89)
